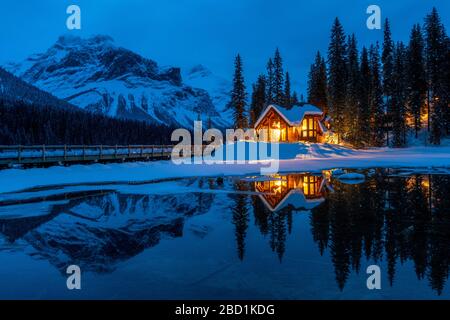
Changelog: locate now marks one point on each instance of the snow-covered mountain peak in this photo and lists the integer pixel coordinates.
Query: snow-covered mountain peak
(199, 76)
(97, 75)
(198, 71)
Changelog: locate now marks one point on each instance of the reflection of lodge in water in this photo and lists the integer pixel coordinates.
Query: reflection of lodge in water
(301, 191)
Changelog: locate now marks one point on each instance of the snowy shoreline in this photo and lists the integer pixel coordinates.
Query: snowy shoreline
(415, 157)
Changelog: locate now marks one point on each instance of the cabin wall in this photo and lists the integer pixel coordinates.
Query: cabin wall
(279, 131)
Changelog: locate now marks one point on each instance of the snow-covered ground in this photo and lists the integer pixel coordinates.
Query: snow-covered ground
(294, 157)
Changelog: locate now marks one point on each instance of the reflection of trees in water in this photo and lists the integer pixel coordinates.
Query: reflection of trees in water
(240, 216)
(397, 218)
(387, 218)
(276, 225)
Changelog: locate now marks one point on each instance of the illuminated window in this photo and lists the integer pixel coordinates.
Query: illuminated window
(309, 128)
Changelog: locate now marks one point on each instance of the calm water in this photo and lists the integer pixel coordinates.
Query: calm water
(294, 236)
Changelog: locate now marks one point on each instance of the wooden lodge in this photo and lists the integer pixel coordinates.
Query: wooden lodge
(300, 123)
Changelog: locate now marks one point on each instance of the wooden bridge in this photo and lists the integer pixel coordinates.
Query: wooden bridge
(42, 155)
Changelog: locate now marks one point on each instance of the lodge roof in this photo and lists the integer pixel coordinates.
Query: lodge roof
(293, 116)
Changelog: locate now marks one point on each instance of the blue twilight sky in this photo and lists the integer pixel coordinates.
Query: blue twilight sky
(187, 32)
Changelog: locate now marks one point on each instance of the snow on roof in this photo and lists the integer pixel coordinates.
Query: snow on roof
(293, 116)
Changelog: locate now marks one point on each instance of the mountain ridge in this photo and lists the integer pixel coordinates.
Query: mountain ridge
(99, 76)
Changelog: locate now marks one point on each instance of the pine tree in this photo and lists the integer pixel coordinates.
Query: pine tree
(239, 95)
(294, 98)
(436, 55)
(398, 108)
(278, 79)
(363, 112)
(317, 84)
(447, 87)
(352, 88)
(387, 60)
(337, 74)
(270, 82)
(416, 77)
(258, 102)
(287, 92)
(376, 98)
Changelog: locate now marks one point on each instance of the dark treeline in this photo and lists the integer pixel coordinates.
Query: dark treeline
(389, 219)
(375, 96)
(379, 95)
(28, 124)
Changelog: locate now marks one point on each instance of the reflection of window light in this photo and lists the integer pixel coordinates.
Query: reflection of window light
(425, 184)
(278, 186)
(306, 189)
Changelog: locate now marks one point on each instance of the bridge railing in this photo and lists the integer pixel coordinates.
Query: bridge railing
(50, 153)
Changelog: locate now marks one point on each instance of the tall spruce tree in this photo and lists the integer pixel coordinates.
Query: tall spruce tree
(317, 83)
(352, 91)
(447, 84)
(258, 102)
(239, 95)
(337, 75)
(294, 98)
(270, 82)
(416, 78)
(398, 98)
(363, 112)
(436, 55)
(287, 92)
(376, 99)
(278, 78)
(388, 65)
